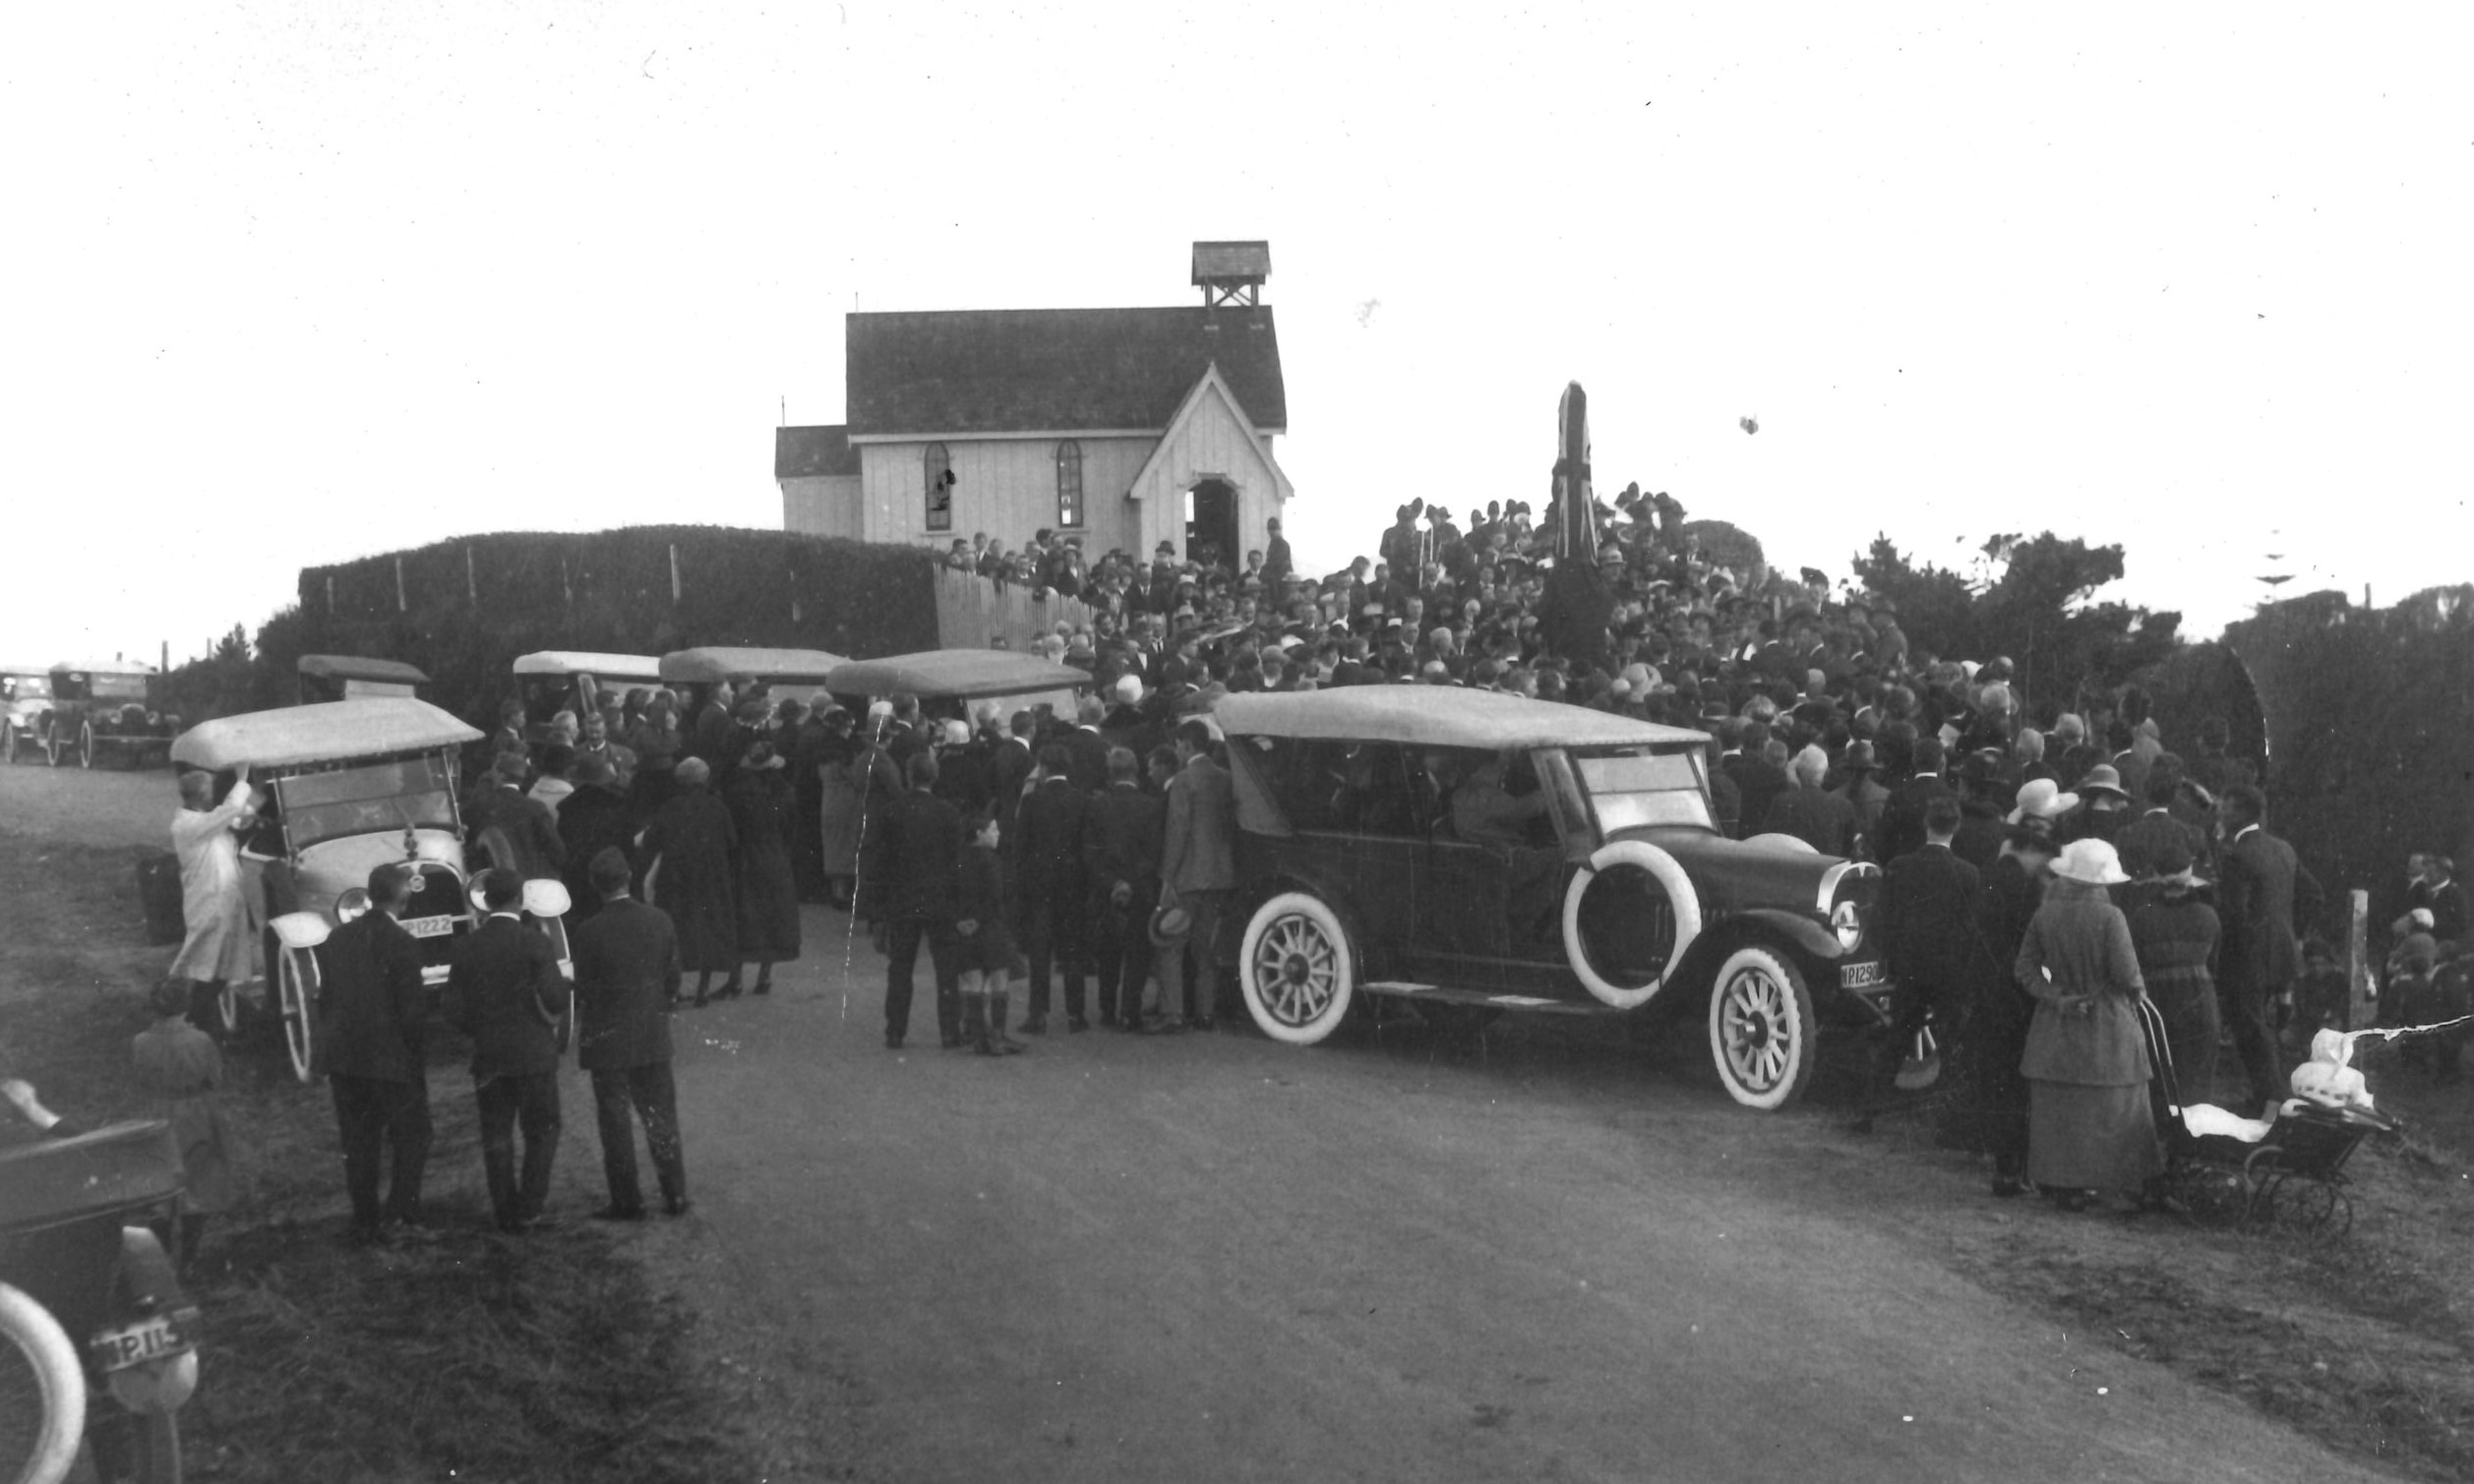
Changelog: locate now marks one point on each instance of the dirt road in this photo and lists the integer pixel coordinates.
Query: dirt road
(1214, 1258)
(1210, 1258)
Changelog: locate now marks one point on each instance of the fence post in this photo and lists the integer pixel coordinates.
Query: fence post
(331, 595)
(472, 586)
(2360, 988)
(674, 573)
(400, 605)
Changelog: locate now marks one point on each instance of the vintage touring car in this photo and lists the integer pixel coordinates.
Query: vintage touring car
(350, 786)
(86, 710)
(947, 681)
(351, 677)
(1597, 882)
(552, 681)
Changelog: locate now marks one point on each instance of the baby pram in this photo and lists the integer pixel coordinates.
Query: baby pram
(2226, 1170)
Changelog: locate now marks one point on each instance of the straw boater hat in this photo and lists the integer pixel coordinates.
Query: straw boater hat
(2089, 862)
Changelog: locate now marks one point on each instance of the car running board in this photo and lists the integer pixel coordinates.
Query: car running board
(1486, 999)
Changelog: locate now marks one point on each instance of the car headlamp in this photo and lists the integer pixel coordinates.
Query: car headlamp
(352, 903)
(1848, 925)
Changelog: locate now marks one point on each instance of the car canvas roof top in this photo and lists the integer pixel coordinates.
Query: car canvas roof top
(938, 674)
(353, 667)
(104, 666)
(625, 667)
(370, 727)
(1435, 716)
(707, 664)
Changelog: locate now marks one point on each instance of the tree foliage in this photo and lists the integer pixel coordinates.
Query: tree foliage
(2036, 602)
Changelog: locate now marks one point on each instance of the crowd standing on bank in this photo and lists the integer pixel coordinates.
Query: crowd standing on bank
(2044, 870)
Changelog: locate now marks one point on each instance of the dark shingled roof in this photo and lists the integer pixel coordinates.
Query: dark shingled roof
(799, 452)
(1055, 370)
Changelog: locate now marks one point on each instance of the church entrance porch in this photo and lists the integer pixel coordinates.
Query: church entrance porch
(1211, 525)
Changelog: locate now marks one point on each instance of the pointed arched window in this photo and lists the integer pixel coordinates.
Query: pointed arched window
(936, 475)
(1069, 484)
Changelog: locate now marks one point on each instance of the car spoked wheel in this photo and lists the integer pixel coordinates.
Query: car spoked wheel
(1762, 1028)
(297, 988)
(1296, 969)
(86, 745)
(51, 746)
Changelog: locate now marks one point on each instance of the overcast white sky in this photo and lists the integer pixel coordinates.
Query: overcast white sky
(297, 282)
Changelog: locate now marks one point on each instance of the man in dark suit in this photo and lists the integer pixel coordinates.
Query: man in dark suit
(2264, 897)
(923, 862)
(1120, 857)
(1757, 780)
(371, 1003)
(503, 989)
(1047, 872)
(1198, 871)
(1927, 917)
(1009, 767)
(1901, 827)
(1086, 747)
(593, 818)
(2156, 834)
(626, 973)
(516, 830)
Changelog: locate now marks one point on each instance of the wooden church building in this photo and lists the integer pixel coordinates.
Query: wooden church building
(1122, 426)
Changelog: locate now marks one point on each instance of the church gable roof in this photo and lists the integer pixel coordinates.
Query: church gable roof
(799, 453)
(1054, 369)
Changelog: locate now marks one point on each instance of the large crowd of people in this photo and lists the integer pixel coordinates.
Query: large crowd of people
(2047, 875)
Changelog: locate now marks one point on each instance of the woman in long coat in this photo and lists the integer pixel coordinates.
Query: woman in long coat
(217, 948)
(764, 810)
(838, 796)
(686, 850)
(655, 741)
(878, 780)
(2090, 1127)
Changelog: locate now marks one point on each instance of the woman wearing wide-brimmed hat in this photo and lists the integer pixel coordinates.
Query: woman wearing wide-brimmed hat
(2014, 888)
(2090, 1128)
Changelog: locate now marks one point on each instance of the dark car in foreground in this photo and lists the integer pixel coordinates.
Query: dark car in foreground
(1596, 881)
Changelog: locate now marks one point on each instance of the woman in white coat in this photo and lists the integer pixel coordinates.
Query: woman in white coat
(215, 947)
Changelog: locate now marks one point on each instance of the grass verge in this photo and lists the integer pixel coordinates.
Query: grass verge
(472, 1358)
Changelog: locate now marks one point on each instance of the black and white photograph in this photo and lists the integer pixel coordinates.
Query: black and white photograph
(974, 744)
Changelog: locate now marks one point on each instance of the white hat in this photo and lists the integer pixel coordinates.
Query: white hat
(2042, 798)
(2090, 862)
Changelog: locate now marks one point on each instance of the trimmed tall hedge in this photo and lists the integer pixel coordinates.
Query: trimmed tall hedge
(463, 610)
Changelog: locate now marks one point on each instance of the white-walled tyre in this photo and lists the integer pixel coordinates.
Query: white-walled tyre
(297, 991)
(59, 1424)
(1296, 969)
(1628, 917)
(1762, 1028)
(52, 746)
(86, 745)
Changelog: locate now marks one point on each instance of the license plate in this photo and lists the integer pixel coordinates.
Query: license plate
(155, 1339)
(429, 927)
(1864, 975)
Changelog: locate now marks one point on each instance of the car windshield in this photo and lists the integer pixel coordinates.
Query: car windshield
(367, 798)
(1635, 786)
(25, 687)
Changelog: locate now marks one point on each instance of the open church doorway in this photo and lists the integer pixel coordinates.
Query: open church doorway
(1211, 523)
